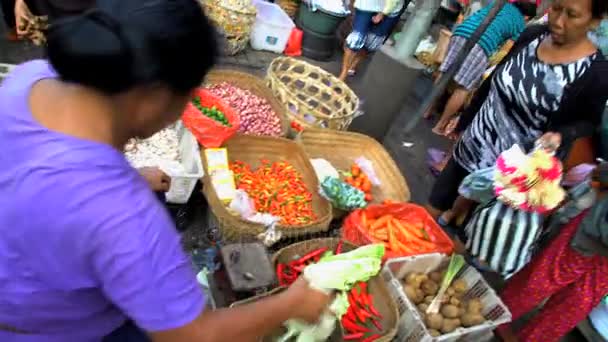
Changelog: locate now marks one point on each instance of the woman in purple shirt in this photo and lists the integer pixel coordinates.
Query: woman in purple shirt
(85, 245)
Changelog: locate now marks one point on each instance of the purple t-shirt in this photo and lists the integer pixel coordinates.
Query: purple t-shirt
(84, 243)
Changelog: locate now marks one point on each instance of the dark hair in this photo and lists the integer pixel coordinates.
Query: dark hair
(526, 8)
(599, 8)
(124, 43)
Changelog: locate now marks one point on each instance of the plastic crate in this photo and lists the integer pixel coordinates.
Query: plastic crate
(272, 27)
(411, 326)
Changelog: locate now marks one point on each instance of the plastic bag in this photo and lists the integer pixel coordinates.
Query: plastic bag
(341, 195)
(478, 186)
(207, 131)
(367, 167)
(353, 227)
(294, 44)
(244, 206)
(503, 237)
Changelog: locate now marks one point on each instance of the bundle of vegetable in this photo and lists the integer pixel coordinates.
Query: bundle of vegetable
(212, 112)
(277, 189)
(360, 180)
(256, 115)
(335, 272)
(454, 309)
(341, 195)
(400, 236)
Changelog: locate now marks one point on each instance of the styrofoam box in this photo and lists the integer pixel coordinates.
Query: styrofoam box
(183, 185)
(411, 326)
(272, 27)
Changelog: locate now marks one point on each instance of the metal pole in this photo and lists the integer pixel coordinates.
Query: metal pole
(439, 88)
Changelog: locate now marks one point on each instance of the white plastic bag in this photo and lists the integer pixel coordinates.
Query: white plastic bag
(244, 206)
(367, 167)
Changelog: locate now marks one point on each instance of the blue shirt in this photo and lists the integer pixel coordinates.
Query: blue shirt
(508, 24)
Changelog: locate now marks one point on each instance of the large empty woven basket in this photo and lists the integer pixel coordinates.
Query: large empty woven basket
(312, 96)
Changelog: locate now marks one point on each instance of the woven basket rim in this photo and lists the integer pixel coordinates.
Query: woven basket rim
(313, 141)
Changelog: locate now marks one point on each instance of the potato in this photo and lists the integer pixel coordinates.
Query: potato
(449, 325)
(420, 296)
(469, 320)
(434, 321)
(474, 306)
(449, 311)
(422, 307)
(459, 285)
(434, 333)
(411, 279)
(429, 299)
(455, 301)
(410, 293)
(461, 311)
(436, 277)
(450, 291)
(429, 287)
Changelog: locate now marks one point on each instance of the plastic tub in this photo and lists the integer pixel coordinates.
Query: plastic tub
(272, 27)
(320, 21)
(411, 326)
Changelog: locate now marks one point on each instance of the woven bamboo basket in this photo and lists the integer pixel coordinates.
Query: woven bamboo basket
(312, 96)
(342, 148)
(380, 292)
(251, 149)
(289, 6)
(255, 85)
(233, 19)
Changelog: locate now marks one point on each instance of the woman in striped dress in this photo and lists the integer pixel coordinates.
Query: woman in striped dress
(552, 86)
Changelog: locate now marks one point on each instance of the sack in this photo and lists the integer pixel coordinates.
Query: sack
(207, 131)
(479, 186)
(503, 237)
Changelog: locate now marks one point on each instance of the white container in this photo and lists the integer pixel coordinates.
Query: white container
(272, 27)
(411, 326)
(183, 185)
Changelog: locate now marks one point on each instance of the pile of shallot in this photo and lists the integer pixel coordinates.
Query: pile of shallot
(255, 113)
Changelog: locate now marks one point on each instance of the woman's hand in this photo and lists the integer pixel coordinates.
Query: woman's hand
(550, 141)
(23, 16)
(158, 180)
(309, 303)
(378, 18)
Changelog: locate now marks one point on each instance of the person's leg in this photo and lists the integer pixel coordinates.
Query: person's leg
(355, 40)
(431, 110)
(361, 55)
(553, 270)
(445, 189)
(454, 47)
(453, 106)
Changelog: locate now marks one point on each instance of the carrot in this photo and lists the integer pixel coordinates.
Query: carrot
(381, 222)
(414, 230)
(364, 219)
(391, 236)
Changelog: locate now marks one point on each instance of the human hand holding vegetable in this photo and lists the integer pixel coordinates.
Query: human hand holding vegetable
(158, 180)
(307, 303)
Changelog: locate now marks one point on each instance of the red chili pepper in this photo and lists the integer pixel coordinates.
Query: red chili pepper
(280, 268)
(313, 254)
(339, 247)
(354, 336)
(353, 327)
(372, 338)
(377, 324)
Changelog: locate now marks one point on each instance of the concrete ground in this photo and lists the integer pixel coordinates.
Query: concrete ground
(411, 160)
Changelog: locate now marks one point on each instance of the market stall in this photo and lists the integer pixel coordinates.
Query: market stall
(328, 205)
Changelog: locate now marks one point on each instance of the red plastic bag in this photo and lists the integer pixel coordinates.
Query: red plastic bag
(294, 44)
(356, 229)
(207, 131)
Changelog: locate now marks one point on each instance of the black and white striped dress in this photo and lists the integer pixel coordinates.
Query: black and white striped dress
(524, 93)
